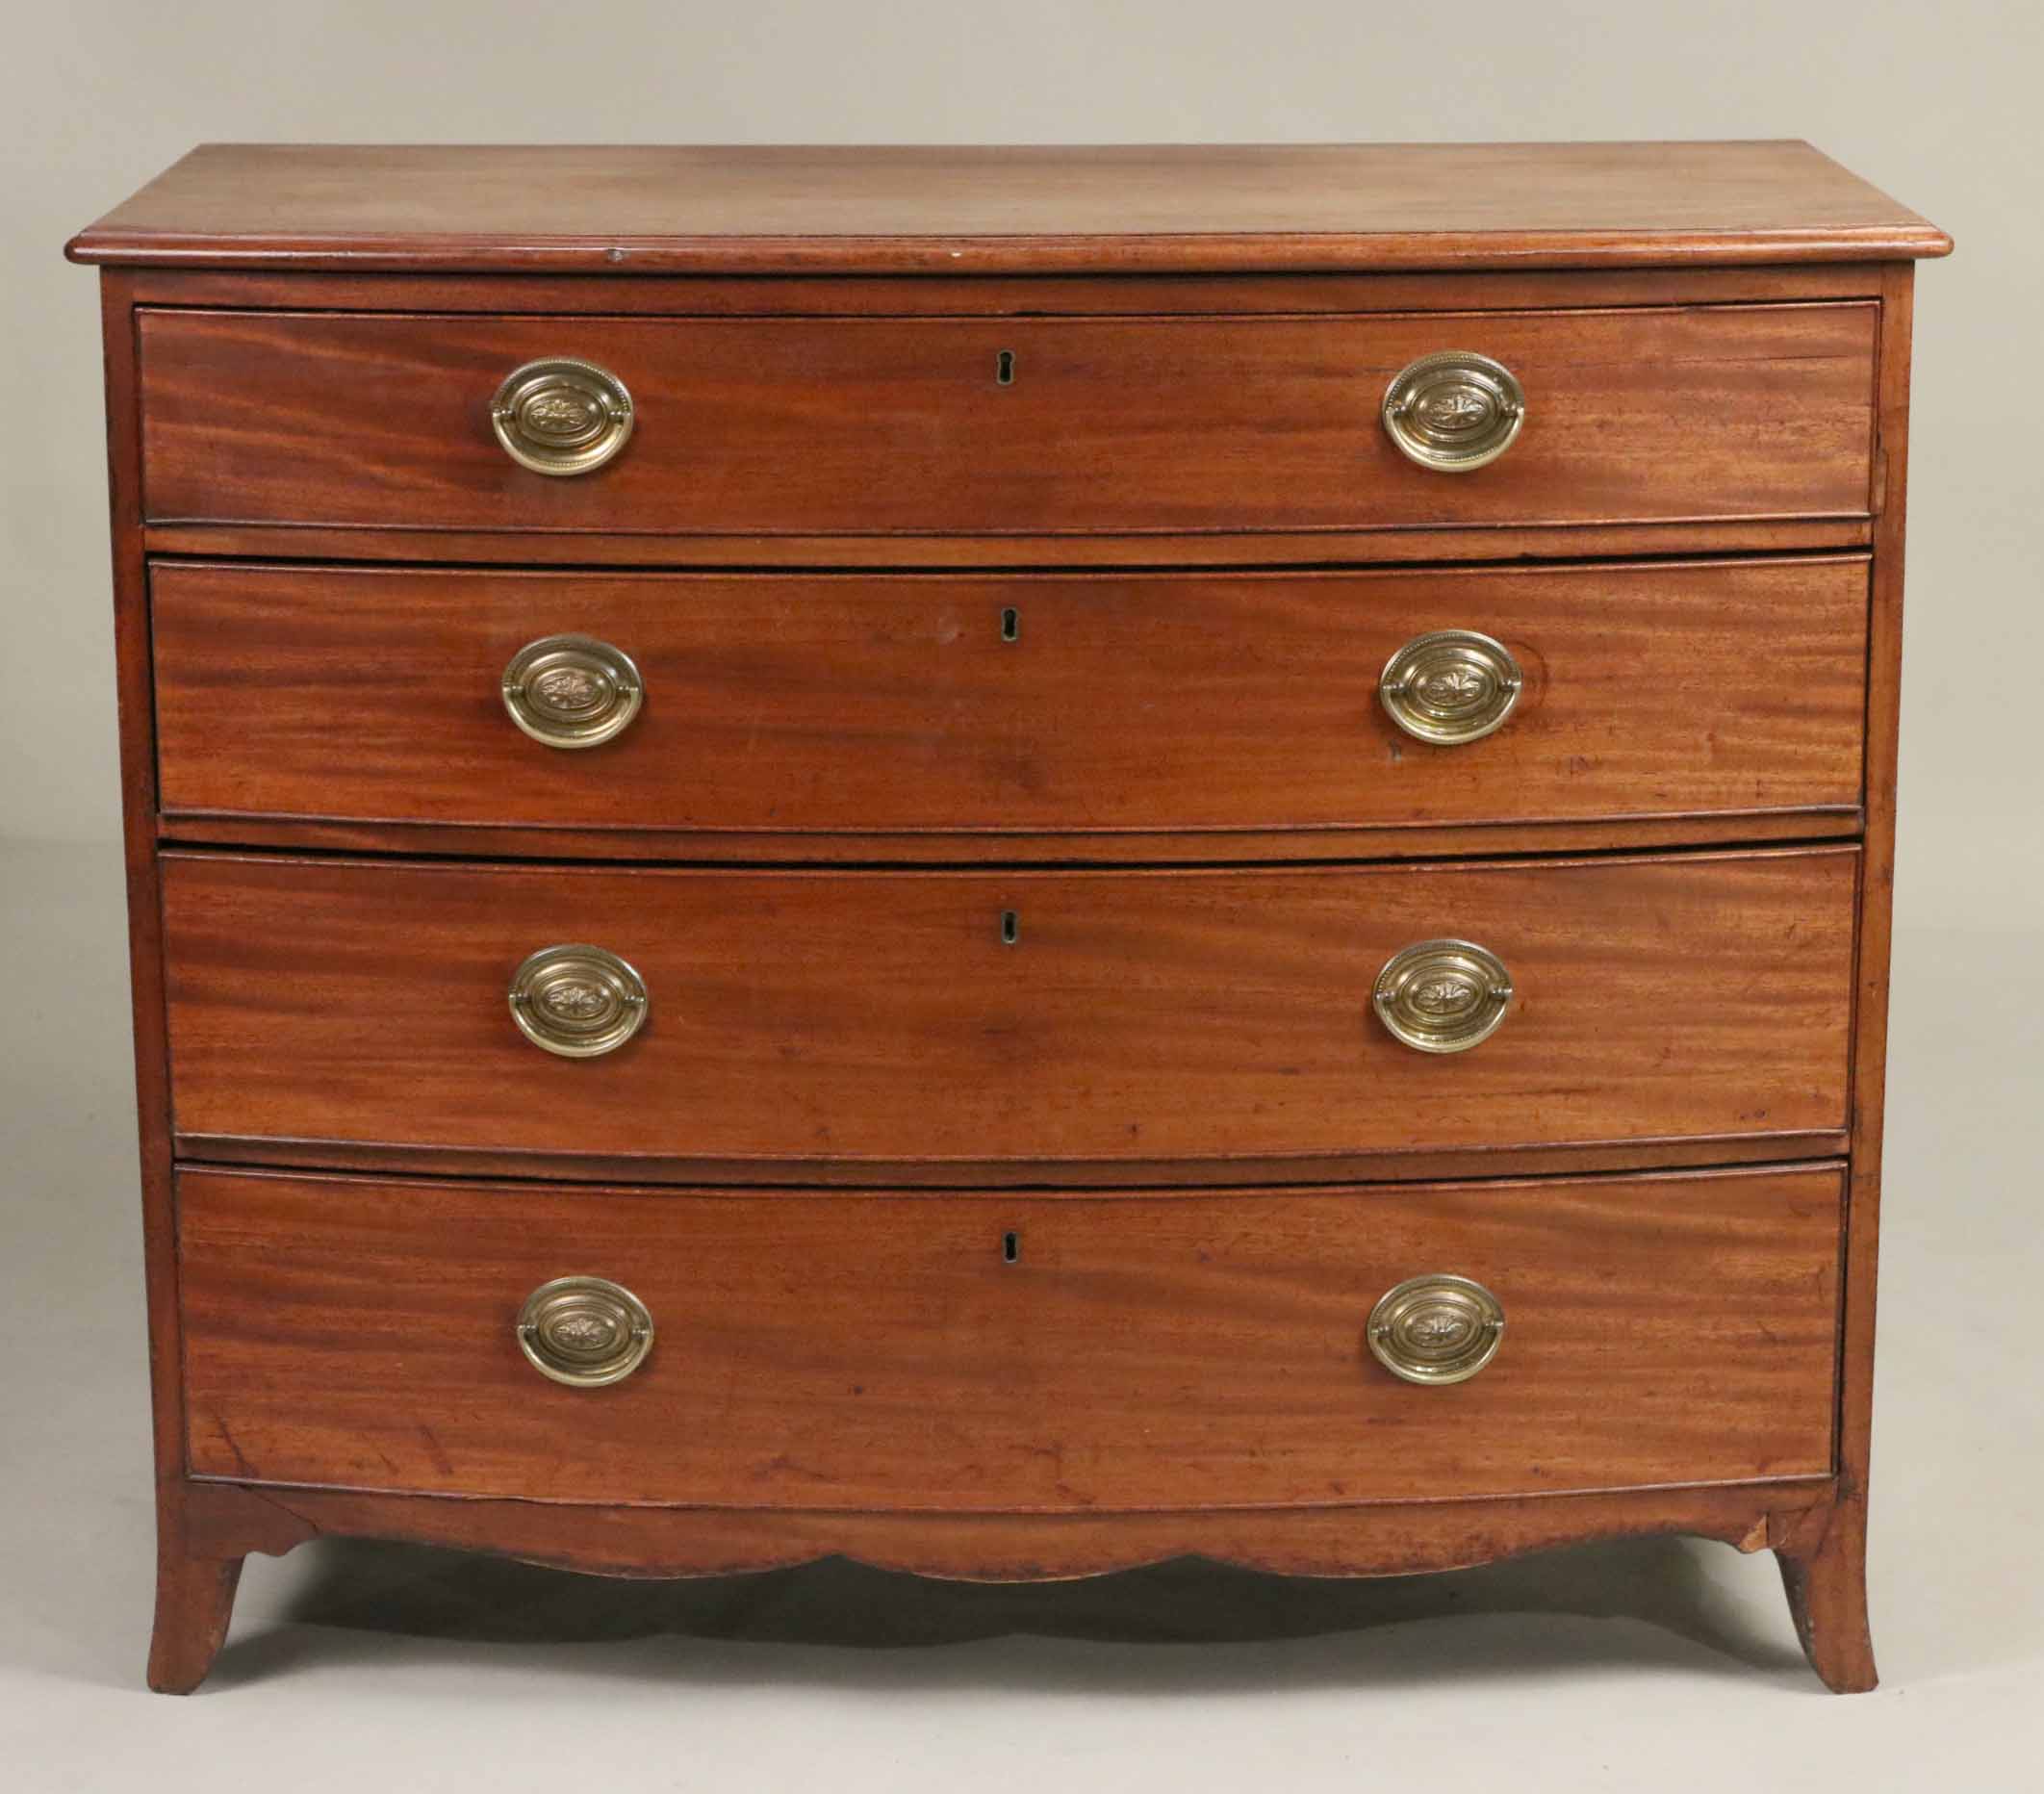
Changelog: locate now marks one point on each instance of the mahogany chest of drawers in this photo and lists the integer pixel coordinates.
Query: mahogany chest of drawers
(1010, 861)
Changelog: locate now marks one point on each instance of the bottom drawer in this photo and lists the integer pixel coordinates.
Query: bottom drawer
(1008, 1351)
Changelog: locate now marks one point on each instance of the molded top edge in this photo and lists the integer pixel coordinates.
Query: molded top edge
(1172, 209)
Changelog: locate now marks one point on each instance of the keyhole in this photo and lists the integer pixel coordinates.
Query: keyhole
(1010, 624)
(1011, 1248)
(1011, 927)
(1004, 368)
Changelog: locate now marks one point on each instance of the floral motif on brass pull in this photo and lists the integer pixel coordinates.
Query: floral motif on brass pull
(573, 1002)
(1445, 996)
(560, 417)
(1456, 408)
(569, 689)
(585, 1333)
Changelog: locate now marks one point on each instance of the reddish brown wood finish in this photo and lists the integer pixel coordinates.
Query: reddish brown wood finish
(938, 847)
(1386, 1538)
(1390, 1165)
(1153, 1017)
(960, 210)
(860, 706)
(1527, 230)
(654, 295)
(1823, 1560)
(194, 1586)
(882, 1351)
(194, 1601)
(1823, 1556)
(874, 425)
(534, 549)
(842, 295)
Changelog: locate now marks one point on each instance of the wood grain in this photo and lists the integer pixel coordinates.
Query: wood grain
(961, 209)
(194, 1587)
(1716, 344)
(1008, 846)
(531, 549)
(1824, 1561)
(851, 295)
(880, 1351)
(1133, 1175)
(874, 425)
(1157, 1016)
(1386, 1538)
(866, 706)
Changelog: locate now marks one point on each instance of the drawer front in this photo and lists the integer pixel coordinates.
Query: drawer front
(1132, 1016)
(1089, 704)
(898, 1352)
(847, 426)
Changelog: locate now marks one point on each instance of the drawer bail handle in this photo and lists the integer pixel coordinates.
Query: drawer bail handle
(572, 691)
(1450, 687)
(586, 1332)
(1454, 412)
(578, 1001)
(561, 416)
(1443, 996)
(1436, 1329)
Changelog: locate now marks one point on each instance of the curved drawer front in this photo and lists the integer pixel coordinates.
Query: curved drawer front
(1009, 1351)
(1009, 427)
(1086, 704)
(967, 1018)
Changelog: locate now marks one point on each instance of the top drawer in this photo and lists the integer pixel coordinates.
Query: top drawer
(1041, 425)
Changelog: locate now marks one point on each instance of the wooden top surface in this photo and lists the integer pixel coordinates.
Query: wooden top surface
(1171, 209)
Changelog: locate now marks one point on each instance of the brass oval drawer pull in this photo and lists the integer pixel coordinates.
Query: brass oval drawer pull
(1443, 996)
(560, 416)
(578, 1001)
(572, 691)
(1455, 411)
(1436, 1329)
(584, 1331)
(1450, 687)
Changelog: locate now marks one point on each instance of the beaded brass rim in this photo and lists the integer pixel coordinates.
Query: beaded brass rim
(1455, 411)
(586, 1332)
(562, 417)
(1450, 687)
(578, 1001)
(1436, 1329)
(572, 691)
(1443, 996)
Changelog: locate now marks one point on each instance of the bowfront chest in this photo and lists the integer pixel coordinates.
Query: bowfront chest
(1009, 860)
